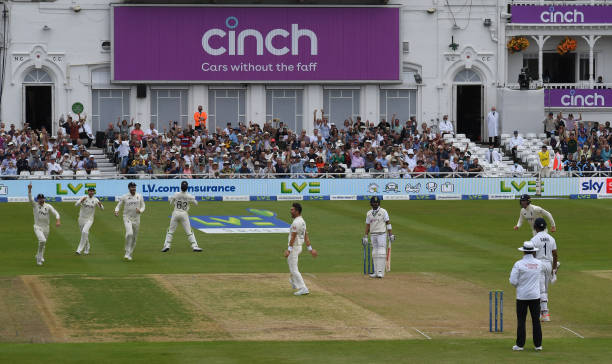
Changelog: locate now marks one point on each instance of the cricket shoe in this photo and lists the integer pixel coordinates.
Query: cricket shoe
(39, 261)
(196, 249)
(127, 258)
(538, 348)
(545, 317)
(517, 348)
(301, 292)
(77, 252)
(165, 248)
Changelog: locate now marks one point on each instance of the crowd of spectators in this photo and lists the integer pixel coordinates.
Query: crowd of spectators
(393, 149)
(578, 145)
(28, 150)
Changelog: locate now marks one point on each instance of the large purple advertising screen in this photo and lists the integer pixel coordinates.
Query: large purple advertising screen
(243, 44)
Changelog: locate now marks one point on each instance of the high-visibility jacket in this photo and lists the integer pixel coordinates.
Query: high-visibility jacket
(544, 158)
(558, 163)
(196, 118)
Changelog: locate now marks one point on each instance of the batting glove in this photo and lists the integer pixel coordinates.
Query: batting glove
(392, 238)
(364, 241)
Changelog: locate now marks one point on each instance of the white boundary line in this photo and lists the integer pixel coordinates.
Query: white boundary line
(422, 333)
(573, 332)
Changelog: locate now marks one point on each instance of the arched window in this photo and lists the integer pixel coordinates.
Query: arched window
(467, 75)
(37, 76)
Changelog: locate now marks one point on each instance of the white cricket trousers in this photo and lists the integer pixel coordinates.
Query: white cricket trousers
(545, 276)
(292, 261)
(42, 233)
(84, 226)
(180, 217)
(131, 232)
(545, 172)
(379, 253)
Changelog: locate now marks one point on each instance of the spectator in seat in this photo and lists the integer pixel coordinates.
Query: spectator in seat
(311, 169)
(357, 160)
(515, 142)
(36, 164)
(9, 171)
(517, 170)
(433, 168)
(475, 166)
(445, 126)
(22, 163)
(549, 124)
(90, 164)
(446, 169)
(420, 167)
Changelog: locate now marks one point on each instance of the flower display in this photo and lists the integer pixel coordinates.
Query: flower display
(517, 44)
(566, 45)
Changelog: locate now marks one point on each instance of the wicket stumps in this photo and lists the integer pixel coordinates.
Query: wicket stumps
(499, 310)
(368, 264)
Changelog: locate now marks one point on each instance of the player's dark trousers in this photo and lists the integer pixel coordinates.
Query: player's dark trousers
(521, 316)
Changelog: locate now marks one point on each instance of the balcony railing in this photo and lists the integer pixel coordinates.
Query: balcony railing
(576, 85)
(560, 2)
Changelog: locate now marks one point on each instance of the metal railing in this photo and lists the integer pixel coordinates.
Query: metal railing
(347, 175)
(560, 2)
(586, 85)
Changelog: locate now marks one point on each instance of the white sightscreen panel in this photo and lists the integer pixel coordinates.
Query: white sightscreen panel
(400, 107)
(521, 110)
(169, 110)
(340, 110)
(284, 110)
(226, 111)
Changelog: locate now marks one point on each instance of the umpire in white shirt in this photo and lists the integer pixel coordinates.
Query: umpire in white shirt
(525, 276)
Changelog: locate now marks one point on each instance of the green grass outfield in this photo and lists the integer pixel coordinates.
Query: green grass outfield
(470, 241)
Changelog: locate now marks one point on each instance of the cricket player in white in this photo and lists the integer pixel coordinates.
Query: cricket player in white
(297, 237)
(378, 225)
(133, 206)
(86, 218)
(41, 222)
(181, 202)
(531, 212)
(547, 254)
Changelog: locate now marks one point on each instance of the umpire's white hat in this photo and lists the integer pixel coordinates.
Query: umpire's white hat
(528, 247)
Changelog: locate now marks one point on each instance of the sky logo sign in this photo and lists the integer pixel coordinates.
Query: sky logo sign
(258, 222)
(277, 42)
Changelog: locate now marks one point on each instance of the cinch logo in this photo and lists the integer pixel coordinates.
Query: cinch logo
(235, 42)
(75, 189)
(519, 186)
(260, 221)
(552, 16)
(579, 100)
(314, 187)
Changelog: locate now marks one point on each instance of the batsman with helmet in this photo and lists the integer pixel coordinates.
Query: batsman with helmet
(378, 226)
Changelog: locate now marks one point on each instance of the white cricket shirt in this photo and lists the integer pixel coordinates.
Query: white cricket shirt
(88, 207)
(41, 213)
(531, 213)
(546, 244)
(181, 201)
(298, 226)
(377, 219)
(132, 204)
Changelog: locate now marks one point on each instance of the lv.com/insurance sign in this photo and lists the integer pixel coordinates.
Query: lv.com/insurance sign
(241, 44)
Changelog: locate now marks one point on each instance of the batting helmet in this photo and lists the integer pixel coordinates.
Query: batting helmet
(525, 197)
(184, 186)
(375, 201)
(539, 224)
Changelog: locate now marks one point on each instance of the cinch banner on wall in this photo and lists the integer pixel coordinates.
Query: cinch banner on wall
(591, 98)
(566, 14)
(297, 189)
(187, 44)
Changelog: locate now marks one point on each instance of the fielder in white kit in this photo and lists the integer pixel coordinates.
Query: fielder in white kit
(133, 206)
(378, 225)
(181, 202)
(547, 254)
(298, 235)
(86, 218)
(531, 212)
(41, 222)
